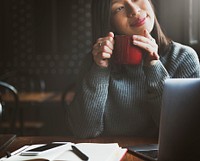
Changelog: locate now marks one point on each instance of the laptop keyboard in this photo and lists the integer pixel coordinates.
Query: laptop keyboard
(151, 153)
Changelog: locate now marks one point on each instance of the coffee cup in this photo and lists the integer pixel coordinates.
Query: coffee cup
(125, 52)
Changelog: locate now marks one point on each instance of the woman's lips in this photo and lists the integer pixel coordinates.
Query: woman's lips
(138, 22)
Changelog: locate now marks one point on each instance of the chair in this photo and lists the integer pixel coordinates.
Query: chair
(68, 95)
(29, 120)
(8, 108)
(66, 99)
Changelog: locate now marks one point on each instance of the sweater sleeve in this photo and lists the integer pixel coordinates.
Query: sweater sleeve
(180, 62)
(85, 114)
(155, 76)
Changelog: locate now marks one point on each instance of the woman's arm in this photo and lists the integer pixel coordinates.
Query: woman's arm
(155, 77)
(85, 114)
(179, 62)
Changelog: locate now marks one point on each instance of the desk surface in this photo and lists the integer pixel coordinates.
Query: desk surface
(122, 141)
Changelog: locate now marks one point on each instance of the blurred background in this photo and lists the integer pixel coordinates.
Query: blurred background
(42, 43)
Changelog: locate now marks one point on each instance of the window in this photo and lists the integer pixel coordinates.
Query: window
(194, 22)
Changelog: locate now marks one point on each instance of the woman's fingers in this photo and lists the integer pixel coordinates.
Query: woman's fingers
(148, 43)
(102, 50)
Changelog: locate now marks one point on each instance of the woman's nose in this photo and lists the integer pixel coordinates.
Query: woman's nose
(132, 9)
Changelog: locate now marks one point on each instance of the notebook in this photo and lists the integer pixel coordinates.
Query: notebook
(65, 152)
(179, 135)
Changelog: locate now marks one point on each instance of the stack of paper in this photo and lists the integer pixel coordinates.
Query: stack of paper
(94, 151)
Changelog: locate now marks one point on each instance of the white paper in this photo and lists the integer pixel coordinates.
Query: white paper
(95, 152)
(51, 155)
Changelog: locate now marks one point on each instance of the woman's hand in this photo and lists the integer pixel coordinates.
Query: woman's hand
(148, 43)
(102, 50)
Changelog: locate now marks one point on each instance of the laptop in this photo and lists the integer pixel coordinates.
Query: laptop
(179, 135)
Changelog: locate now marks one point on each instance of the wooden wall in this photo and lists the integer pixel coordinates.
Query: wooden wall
(43, 41)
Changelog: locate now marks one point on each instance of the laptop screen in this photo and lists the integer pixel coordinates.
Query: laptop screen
(179, 137)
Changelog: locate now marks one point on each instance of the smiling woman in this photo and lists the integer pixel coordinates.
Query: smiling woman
(125, 99)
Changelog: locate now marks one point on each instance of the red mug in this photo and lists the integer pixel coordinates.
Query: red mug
(125, 52)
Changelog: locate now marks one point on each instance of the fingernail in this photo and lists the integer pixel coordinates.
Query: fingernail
(135, 36)
(135, 42)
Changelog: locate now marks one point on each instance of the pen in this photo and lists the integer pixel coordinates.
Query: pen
(9, 154)
(79, 153)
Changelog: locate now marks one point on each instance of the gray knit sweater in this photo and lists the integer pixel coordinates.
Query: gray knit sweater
(126, 99)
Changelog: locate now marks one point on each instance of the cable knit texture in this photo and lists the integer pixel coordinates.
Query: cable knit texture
(126, 99)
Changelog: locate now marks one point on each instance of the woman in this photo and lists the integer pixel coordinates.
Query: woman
(126, 99)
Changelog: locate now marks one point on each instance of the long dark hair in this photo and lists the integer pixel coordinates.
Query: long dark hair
(100, 18)
(101, 14)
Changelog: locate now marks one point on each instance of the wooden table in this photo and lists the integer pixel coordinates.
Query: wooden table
(122, 141)
(36, 97)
